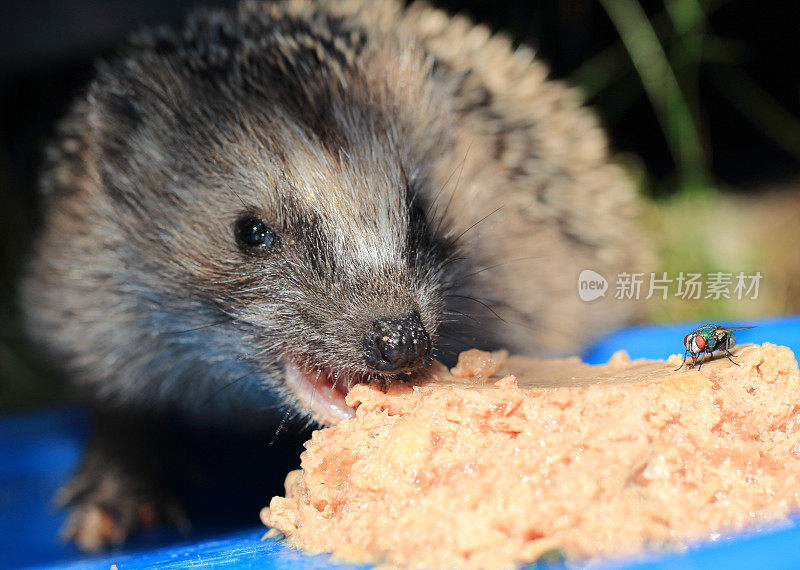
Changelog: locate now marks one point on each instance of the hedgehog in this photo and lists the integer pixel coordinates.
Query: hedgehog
(268, 204)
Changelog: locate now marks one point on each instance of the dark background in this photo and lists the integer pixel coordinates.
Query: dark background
(743, 86)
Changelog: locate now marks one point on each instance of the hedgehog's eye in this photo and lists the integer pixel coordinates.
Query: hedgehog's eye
(253, 233)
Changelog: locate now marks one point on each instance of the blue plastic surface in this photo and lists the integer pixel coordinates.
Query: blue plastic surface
(39, 450)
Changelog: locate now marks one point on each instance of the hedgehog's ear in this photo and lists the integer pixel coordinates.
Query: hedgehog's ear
(123, 110)
(92, 140)
(115, 114)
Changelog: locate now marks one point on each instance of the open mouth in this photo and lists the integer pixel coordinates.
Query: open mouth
(320, 390)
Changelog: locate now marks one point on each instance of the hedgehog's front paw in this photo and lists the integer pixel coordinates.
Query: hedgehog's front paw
(107, 507)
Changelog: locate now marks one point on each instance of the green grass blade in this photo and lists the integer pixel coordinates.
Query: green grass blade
(662, 88)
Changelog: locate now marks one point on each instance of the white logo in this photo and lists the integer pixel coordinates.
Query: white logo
(591, 285)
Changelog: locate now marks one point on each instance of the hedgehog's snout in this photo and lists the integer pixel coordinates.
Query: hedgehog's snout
(397, 344)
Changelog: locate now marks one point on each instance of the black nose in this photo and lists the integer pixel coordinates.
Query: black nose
(397, 344)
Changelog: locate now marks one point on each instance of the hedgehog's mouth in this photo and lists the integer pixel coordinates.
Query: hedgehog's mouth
(320, 389)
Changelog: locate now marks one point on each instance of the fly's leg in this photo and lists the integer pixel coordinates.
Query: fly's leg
(728, 354)
(702, 360)
(683, 360)
(728, 346)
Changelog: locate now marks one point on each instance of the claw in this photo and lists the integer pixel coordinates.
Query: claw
(92, 529)
(106, 511)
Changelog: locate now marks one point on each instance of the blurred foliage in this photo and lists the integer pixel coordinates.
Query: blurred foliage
(731, 233)
(670, 52)
(696, 225)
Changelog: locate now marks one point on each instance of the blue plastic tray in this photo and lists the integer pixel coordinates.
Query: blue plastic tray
(39, 450)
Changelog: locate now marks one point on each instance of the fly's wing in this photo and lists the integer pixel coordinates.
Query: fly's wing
(720, 334)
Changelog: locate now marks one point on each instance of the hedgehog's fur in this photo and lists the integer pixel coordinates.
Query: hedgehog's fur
(407, 159)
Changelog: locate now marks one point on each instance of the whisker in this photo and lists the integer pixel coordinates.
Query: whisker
(482, 303)
(435, 199)
(228, 385)
(454, 312)
(237, 196)
(316, 382)
(310, 422)
(201, 327)
(281, 426)
(496, 265)
(452, 259)
(453, 193)
(475, 224)
(447, 351)
(463, 339)
(525, 322)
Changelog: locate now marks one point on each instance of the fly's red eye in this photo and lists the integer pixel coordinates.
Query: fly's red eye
(686, 340)
(700, 342)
